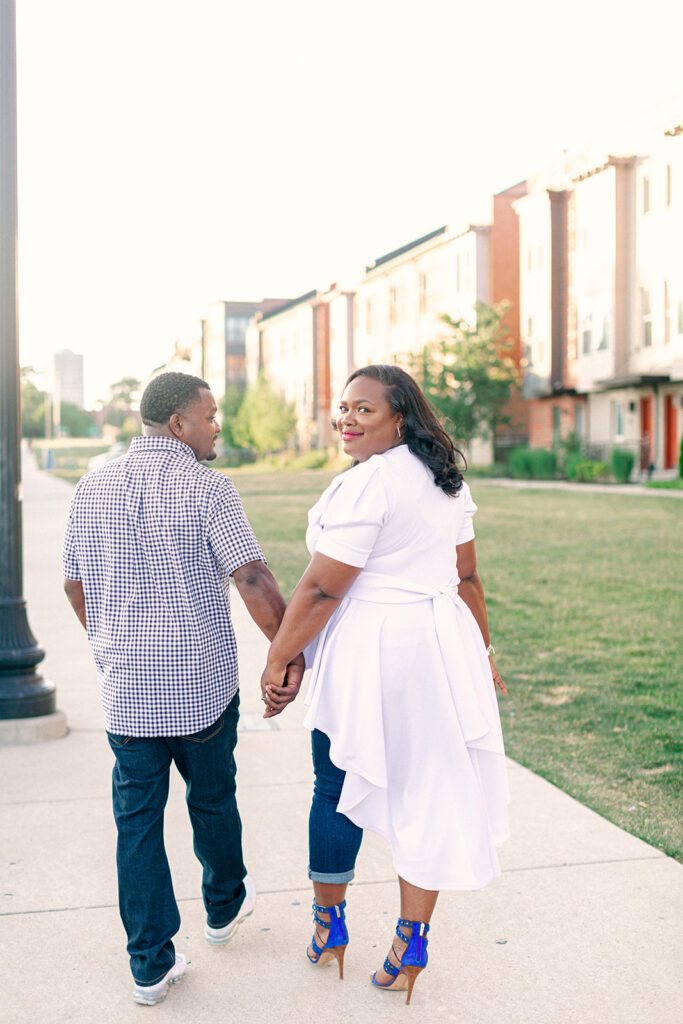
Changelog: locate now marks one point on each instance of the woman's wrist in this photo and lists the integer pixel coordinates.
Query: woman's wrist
(275, 665)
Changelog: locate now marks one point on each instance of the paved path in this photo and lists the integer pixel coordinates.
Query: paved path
(583, 926)
(633, 490)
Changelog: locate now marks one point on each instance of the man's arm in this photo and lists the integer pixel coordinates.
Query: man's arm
(261, 594)
(74, 592)
(266, 605)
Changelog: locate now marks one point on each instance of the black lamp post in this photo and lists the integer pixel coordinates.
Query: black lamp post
(23, 692)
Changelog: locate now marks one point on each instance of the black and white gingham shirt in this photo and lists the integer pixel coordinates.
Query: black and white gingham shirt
(154, 537)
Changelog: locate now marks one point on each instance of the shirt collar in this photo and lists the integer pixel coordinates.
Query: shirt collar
(157, 443)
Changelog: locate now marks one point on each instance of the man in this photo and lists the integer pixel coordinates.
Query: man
(152, 540)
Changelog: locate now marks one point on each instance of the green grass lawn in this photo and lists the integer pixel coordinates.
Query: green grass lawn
(584, 597)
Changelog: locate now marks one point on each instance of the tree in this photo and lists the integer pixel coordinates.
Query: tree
(32, 406)
(469, 376)
(122, 397)
(264, 422)
(230, 407)
(77, 422)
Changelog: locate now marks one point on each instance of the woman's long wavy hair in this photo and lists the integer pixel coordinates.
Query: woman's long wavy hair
(424, 435)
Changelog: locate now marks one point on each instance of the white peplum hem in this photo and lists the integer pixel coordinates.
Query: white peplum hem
(401, 684)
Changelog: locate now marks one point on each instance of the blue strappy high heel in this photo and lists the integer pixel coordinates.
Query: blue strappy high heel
(412, 961)
(337, 940)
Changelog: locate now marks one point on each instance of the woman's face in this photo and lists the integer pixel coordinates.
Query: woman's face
(366, 421)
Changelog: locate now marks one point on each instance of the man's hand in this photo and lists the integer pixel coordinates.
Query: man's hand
(279, 689)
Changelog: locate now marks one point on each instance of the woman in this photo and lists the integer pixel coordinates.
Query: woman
(405, 729)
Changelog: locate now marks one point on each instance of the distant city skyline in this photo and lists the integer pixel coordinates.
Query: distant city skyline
(293, 156)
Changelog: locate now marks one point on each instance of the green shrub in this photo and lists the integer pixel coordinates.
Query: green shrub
(622, 464)
(543, 463)
(680, 460)
(316, 458)
(584, 471)
(519, 463)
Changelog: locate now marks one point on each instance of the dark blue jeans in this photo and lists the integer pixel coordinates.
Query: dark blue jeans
(333, 839)
(140, 790)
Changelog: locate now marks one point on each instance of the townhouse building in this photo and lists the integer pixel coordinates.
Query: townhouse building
(403, 295)
(601, 259)
(504, 287)
(289, 344)
(341, 307)
(625, 291)
(223, 345)
(554, 408)
(654, 382)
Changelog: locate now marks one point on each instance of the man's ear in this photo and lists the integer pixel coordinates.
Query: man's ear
(176, 425)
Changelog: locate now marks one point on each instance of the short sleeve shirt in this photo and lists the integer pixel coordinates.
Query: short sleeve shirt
(154, 537)
(387, 515)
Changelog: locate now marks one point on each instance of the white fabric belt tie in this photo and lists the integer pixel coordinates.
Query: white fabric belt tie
(377, 586)
(447, 604)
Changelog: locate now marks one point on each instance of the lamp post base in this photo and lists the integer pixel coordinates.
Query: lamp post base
(16, 732)
(23, 691)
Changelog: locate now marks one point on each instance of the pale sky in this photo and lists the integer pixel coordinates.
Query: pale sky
(177, 152)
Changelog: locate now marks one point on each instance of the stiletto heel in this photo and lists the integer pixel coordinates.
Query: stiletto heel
(410, 962)
(412, 973)
(337, 939)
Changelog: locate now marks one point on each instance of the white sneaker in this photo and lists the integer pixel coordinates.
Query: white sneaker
(148, 995)
(219, 936)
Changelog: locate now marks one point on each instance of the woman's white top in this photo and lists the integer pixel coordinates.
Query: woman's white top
(400, 680)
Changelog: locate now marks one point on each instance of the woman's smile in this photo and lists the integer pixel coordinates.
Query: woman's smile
(366, 422)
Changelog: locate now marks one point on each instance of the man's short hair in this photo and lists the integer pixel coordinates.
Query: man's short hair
(169, 393)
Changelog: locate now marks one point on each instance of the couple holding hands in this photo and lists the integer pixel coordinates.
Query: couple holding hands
(389, 617)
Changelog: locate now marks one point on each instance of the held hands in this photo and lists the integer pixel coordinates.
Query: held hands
(497, 681)
(278, 688)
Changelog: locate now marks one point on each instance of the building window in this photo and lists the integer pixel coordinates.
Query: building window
(667, 314)
(605, 335)
(680, 317)
(587, 336)
(668, 186)
(398, 309)
(530, 327)
(646, 195)
(423, 293)
(368, 316)
(646, 313)
(578, 421)
(392, 306)
(619, 420)
(556, 423)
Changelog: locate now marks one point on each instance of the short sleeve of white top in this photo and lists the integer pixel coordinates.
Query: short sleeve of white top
(347, 520)
(469, 508)
(356, 508)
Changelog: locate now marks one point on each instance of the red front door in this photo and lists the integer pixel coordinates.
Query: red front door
(670, 432)
(646, 439)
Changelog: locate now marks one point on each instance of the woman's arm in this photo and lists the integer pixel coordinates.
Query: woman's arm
(471, 590)
(316, 596)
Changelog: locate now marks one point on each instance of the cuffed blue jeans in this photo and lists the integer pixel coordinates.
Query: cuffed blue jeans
(140, 782)
(333, 839)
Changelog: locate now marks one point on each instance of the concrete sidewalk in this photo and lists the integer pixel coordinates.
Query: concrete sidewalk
(583, 926)
(631, 490)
